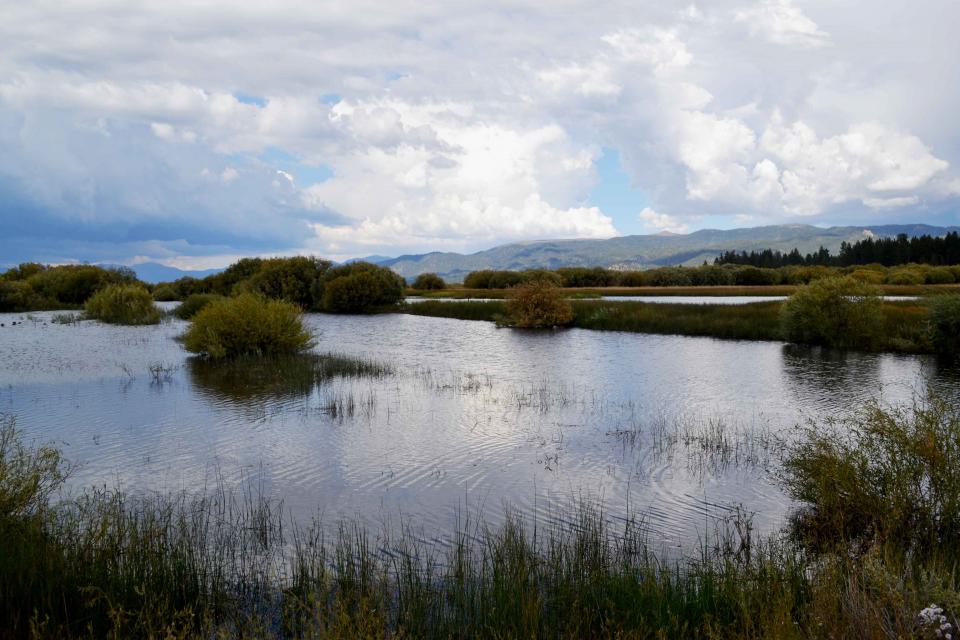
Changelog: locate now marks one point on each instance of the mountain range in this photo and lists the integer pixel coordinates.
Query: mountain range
(624, 252)
(646, 251)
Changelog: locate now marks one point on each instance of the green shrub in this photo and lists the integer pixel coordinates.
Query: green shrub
(478, 279)
(505, 279)
(165, 293)
(904, 276)
(587, 277)
(123, 304)
(247, 325)
(945, 324)
(632, 279)
(754, 276)
(16, 295)
(940, 275)
(193, 304)
(291, 279)
(836, 312)
(668, 277)
(711, 276)
(429, 282)
(885, 475)
(360, 287)
(73, 285)
(804, 275)
(538, 304)
(868, 276)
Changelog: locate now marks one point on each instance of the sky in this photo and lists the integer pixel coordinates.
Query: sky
(191, 133)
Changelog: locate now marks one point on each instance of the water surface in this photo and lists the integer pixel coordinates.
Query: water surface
(467, 417)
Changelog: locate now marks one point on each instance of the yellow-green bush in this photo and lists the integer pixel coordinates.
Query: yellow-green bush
(868, 276)
(940, 275)
(836, 312)
(165, 293)
(16, 295)
(429, 282)
(123, 304)
(247, 325)
(360, 287)
(538, 304)
(904, 276)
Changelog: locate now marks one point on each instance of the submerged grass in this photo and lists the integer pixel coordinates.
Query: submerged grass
(226, 564)
(283, 376)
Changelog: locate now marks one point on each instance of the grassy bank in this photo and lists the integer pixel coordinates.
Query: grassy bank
(460, 293)
(225, 564)
(904, 321)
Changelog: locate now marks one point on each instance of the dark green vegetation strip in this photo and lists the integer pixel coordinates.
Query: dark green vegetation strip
(459, 293)
(877, 539)
(905, 322)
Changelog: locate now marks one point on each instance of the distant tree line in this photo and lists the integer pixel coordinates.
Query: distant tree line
(311, 283)
(889, 252)
(31, 286)
(743, 275)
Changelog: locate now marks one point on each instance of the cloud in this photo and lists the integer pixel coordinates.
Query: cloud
(460, 126)
(891, 203)
(779, 22)
(659, 222)
(454, 182)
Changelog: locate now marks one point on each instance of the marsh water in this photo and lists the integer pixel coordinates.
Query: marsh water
(449, 419)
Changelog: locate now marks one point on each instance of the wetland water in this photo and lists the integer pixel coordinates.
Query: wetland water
(468, 418)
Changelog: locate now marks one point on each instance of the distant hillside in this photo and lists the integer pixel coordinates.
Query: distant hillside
(152, 272)
(646, 251)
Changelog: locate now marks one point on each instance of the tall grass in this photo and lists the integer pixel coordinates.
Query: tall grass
(886, 475)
